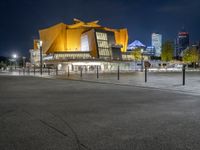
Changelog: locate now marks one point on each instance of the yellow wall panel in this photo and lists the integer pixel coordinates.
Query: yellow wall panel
(49, 35)
(63, 38)
(73, 40)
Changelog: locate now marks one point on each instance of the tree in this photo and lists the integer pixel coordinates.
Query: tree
(191, 55)
(137, 54)
(167, 51)
(2, 65)
(3, 62)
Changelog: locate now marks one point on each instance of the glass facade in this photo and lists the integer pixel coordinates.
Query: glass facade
(101, 36)
(157, 43)
(182, 43)
(102, 44)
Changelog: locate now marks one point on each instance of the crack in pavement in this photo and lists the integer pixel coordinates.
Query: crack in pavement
(52, 127)
(73, 131)
(79, 144)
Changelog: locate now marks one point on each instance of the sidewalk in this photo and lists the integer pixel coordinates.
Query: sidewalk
(160, 80)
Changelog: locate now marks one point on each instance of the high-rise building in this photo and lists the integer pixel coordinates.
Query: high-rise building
(182, 42)
(157, 43)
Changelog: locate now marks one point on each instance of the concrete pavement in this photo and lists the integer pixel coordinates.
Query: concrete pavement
(171, 81)
(46, 114)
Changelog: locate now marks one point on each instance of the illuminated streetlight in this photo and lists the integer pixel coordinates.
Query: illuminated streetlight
(39, 44)
(14, 56)
(15, 59)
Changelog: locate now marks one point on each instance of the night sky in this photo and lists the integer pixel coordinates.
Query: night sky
(21, 19)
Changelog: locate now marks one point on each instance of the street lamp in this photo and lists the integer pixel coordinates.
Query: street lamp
(142, 59)
(39, 44)
(15, 59)
(24, 61)
(14, 56)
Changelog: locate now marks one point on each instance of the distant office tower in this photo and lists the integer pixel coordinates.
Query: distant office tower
(157, 43)
(182, 42)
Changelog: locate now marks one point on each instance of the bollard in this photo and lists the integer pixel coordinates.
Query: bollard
(48, 71)
(19, 71)
(41, 70)
(118, 73)
(56, 70)
(145, 74)
(184, 74)
(68, 71)
(34, 70)
(97, 72)
(23, 71)
(65, 72)
(28, 70)
(81, 72)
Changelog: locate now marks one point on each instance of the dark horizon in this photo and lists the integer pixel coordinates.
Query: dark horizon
(21, 20)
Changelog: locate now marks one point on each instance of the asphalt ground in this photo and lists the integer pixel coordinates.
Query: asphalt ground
(54, 114)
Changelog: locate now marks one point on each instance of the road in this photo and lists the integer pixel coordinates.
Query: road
(51, 114)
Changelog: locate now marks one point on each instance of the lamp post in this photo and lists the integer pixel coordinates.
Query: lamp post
(39, 44)
(15, 60)
(24, 62)
(142, 60)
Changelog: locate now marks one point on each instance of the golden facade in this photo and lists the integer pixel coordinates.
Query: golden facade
(67, 38)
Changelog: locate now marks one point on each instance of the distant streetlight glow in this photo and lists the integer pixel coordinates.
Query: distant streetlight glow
(40, 42)
(142, 50)
(15, 56)
(15, 59)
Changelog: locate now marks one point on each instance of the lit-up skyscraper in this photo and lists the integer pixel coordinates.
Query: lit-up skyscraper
(157, 43)
(182, 42)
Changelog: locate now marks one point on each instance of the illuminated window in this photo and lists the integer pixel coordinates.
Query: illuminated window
(101, 36)
(84, 43)
(102, 43)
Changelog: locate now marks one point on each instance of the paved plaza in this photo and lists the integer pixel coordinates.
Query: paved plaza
(171, 81)
(56, 114)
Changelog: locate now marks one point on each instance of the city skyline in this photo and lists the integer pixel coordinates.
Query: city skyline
(22, 19)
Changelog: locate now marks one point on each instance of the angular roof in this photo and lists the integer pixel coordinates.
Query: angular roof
(55, 38)
(135, 45)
